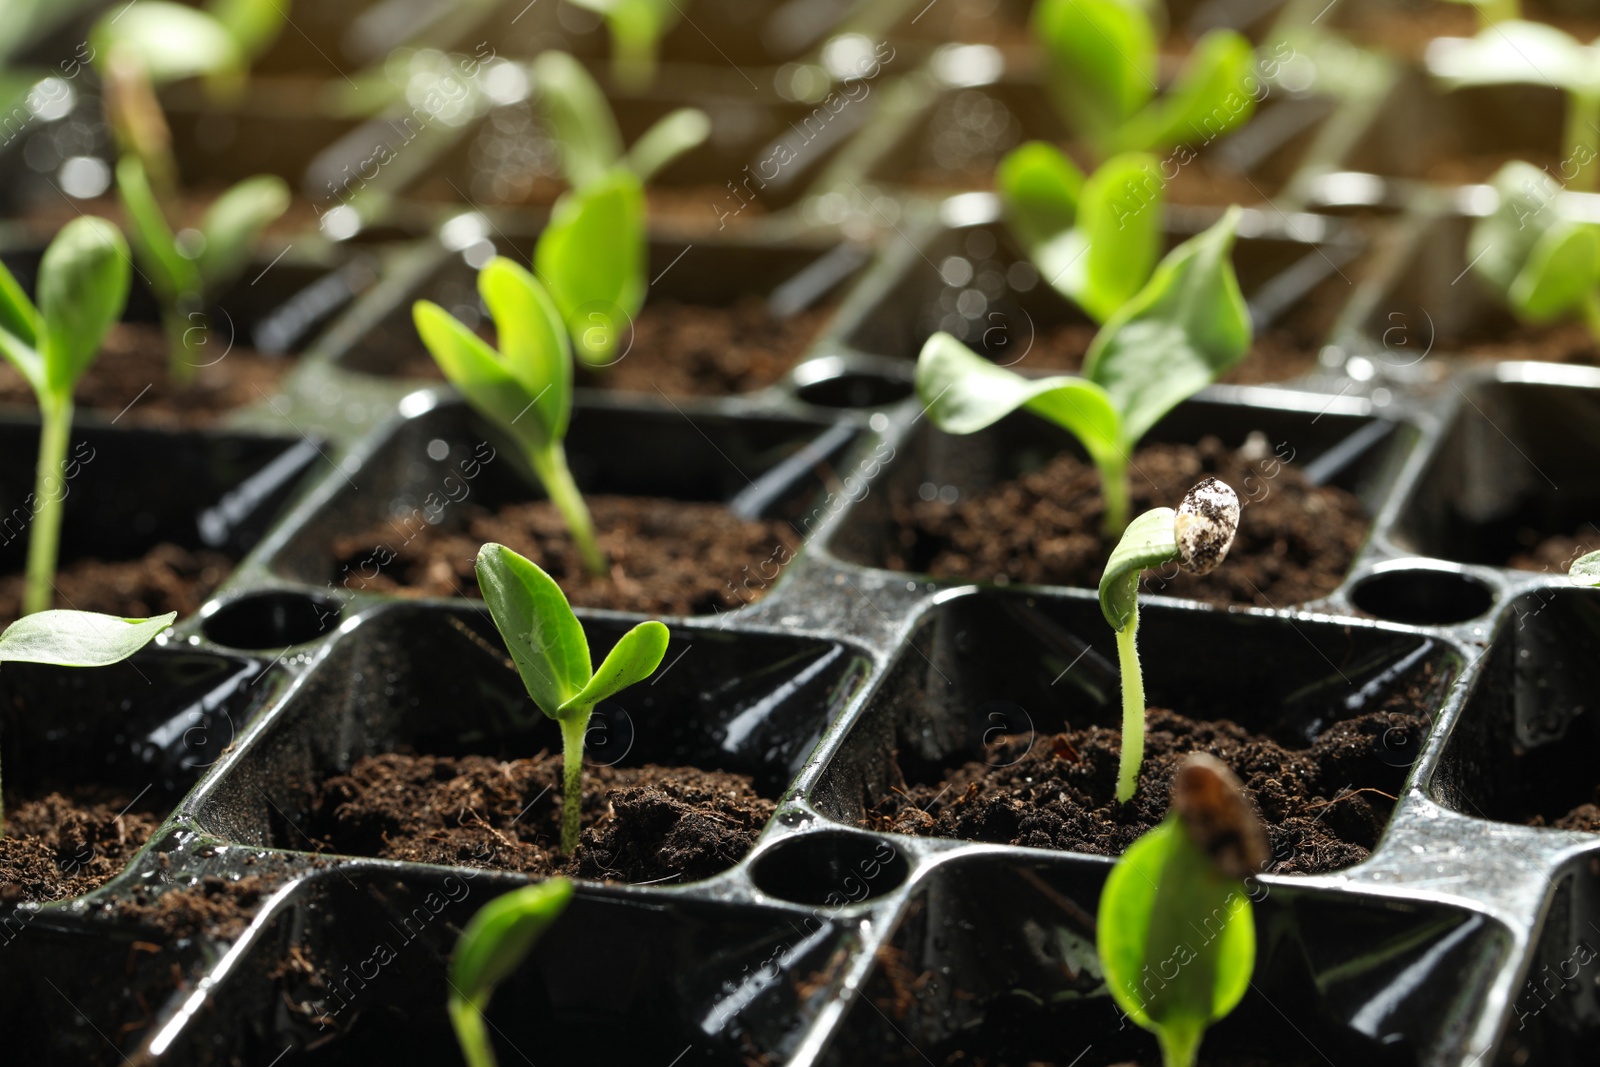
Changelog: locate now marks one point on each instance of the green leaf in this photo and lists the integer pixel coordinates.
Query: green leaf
(78, 638)
(591, 257)
(671, 136)
(1039, 187)
(1149, 541)
(533, 342)
(1100, 56)
(83, 285)
(499, 937)
(633, 660)
(18, 316)
(234, 222)
(1107, 257)
(1188, 325)
(1560, 275)
(1212, 96)
(253, 24)
(575, 106)
(532, 614)
(170, 41)
(1515, 52)
(1499, 243)
(479, 374)
(172, 274)
(1585, 570)
(964, 393)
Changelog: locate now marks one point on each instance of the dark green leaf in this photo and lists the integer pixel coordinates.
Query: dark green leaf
(234, 222)
(533, 342)
(1188, 325)
(1213, 95)
(533, 616)
(591, 257)
(575, 106)
(1039, 186)
(83, 285)
(633, 660)
(672, 136)
(1100, 56)
(1149, 541)
(78, 638)
(499, 937)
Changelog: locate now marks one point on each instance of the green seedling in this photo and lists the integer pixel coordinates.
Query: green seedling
(76, 639)
(1176, 932)
(494, 944)
(524, 386)
(1542, 264)
(1519, 52)
(1101, 59)
(1197, 535)
(1186, 326)
(636, 28)
(83, 286)
(592, 253)
(139, 47)
(1096, 240)
(552, 655)
(190, 268)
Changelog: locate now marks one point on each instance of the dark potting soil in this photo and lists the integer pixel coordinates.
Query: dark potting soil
(167, 578)
(1275, 355)
(641, 824)
(1568, 342)
(1295, 540)
(219, 908)
(63, 845)
(130, 381)
(668, 557)
(1324, 806)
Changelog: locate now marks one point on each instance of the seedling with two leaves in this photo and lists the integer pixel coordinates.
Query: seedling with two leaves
(1175, 931)
(591, 255)
(551, 653)
(82, 288)
(493, 945)
(524, 387)
(1186, 326)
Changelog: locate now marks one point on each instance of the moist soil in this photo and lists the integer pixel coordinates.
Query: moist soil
(167, 578)
(65, 844)
(130, 382)
(1324, 806)
(1295, 541)
(668, 557)
(640, 824)
(692, 350)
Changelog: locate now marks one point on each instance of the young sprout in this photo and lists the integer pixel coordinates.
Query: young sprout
(1198, 536)
(76, 639)
(1541, 263)
(494, 944)
(1101, 59)
(1186, 326)
(636, 28)
(83, 285)
(1092, 241)
(524, 387)
(592, 253)
(1176, 933)
(552, 656)
(191, 268)
(1518, 52)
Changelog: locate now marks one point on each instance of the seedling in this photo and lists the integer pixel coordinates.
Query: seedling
(1186, 326)
(190, 268)
(524, 387)
(1101, 59)
(83, 286)
(76, 639)
(1094, 240)
(1542, 264)
(1176, 933)
(592, 253)
(552, 655)
(636, 27)
(494, 944)
(1532, 53)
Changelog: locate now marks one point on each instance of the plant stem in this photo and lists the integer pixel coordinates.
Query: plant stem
(1132, 709)
(551, 467)
(471, 1032)
(175, 324)
(1583, 141)
(573, 729)
(1114, 487)
(44, 541)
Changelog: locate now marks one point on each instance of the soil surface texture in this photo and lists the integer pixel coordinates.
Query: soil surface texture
(667, 557)
(63, 845)
(1324, 806)
(641, 824)
(167, 578)
(1295, 540)
(130, 381)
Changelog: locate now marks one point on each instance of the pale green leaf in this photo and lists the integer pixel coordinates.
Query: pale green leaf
(532, 614)
(253, 24)
(1100, 56)
(171, 274)
(1119, 233)
(1560, 275)
(479, 374)
(674, 134)
(1039, 187)
(83, 286)
(533, 342)
(170, 41)
(234, 222)
(1149, 541)
(635, 658)
(78, 638)
(577, 109)
(591, 257)
(1585, 570)
(1212, 96)
(1499, 244)
(1515, 52)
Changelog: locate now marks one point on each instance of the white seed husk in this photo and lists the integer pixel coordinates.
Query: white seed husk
(1205, 524)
